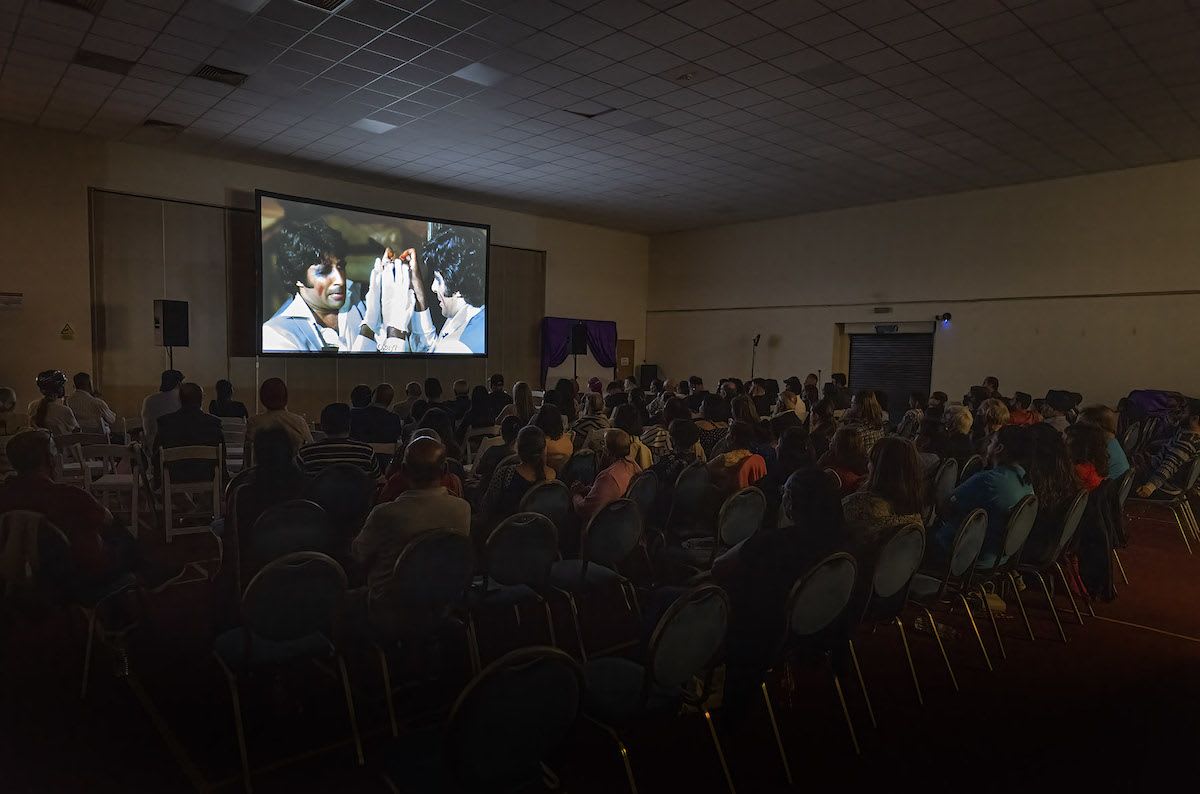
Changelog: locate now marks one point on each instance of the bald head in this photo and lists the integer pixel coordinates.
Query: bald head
(616, 442)
(425, 462)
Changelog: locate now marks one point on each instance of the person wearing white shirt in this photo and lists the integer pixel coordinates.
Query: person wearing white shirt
(92, 413)
(164, 401)
(49, 412)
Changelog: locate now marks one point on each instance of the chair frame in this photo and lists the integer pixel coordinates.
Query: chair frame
(168, 455)
(965, 472)
(1004, 569)
(1067, 532)
(1180, 507)
(481, 434)
(111, 457)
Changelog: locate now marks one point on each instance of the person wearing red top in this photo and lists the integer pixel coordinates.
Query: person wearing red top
(1020, 413)
(847, 458)
(739, 467)
(612, 483)
(1089, 453)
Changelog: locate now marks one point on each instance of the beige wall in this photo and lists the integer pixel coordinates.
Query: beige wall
(1004, 262)
(591, 272)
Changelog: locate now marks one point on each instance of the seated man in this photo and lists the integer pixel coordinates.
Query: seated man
(412, 393)
(92, 413)
(425, 506)
(612, 483)
(188, 427)
(101, 549)
(397, 477)
(1162, 479)
(376, 423)
(461, 403)
(337, 446)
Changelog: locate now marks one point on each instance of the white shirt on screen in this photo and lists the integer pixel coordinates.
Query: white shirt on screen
(458, 335)
(294, 328)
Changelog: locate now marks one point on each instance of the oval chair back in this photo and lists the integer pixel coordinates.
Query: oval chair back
(688, 637)
(297, 525)
(741, 516)
(510, 717)
(691, 487)
(552, 499)
(968, 542)
(1192, 475)
(613, 533)
(346, 493)
(581, 467)
(429, 578)
(898, 562)
(1124, 487)
(1129, 440)
(971, 466)
(511, 460)
(52, 550)
(522, 549)
(944, 480)
(820, 597)
(293, 597)
(1070, 526)
(1016, 531)
(643, 490)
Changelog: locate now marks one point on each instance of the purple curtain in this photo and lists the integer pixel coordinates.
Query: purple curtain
(556, 341)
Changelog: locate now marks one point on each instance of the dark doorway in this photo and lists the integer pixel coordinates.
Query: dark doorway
(893, 364)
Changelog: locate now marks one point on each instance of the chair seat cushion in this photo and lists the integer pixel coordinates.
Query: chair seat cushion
(231, 647)
(614, 690)
(570, 575)
(697, 557)
(114, 481)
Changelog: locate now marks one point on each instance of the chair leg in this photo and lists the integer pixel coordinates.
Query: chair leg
(231, 679)
(550, 622)
(1120, 567)
(575, 621)
(1179, 521)
(1191, 517)
(862, 684)
(1021, 605)
(787, 769)
(712, 730)
(837, 686)
(621, 749)
(995, 626)
(1062, 575)
(87, 651)
(473, 645)
(358, 751)
(987, 660)
(387, 689)
(1053, 609)
(941, 647)
(912, 668)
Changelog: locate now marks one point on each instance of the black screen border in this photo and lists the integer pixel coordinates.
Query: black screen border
(259, 194)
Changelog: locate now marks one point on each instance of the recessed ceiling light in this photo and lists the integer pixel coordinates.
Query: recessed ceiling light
(103, 62)
(371, 125)
(688, 74)
(481, 74)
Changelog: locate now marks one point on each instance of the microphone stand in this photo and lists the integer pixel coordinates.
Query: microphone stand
(754, 354)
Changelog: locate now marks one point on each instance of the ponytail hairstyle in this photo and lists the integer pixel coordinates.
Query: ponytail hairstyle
(531, 449)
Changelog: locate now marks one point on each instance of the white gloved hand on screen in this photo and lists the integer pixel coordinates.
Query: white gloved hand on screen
(373, 301)
(397, 299)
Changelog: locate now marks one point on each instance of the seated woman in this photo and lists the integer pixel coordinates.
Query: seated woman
(479, 415)
(1089, 453)
(821, 426)
(558, 443)
(1105, 418)
(225, 406)
(522, 405)
(892, 496)
(957, 441)
(847, 458)
(684, 443)
(910, 423)
(511, 482)
(611, 483)
(740, 467)
(991, 416)
(276, 478)
(996, 489)
(793, 452)
(867, 415)
(592, 423)
(713, 423)
(1055, 480)
(742, 409)
(625, 417)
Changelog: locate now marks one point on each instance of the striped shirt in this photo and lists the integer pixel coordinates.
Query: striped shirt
(316, 457)
(1173, 460)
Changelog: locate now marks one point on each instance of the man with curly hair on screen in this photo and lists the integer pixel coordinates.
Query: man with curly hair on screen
(454, 257)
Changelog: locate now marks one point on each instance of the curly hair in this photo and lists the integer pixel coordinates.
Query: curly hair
(458, 254)
(299, 246)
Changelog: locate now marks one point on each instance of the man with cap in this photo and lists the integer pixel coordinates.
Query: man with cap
(164, 401)
(1055, 408)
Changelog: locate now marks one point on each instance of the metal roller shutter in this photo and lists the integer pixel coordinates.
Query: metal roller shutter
(895, 364)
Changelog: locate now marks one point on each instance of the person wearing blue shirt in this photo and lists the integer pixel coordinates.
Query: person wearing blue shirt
(996, 489)
(1105, 418)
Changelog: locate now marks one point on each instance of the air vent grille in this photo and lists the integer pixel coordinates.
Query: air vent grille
(218, 75)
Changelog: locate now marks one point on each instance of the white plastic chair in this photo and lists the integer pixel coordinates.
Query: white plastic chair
(479, 435)
(120, 473)
(234, 431)
(209, 487)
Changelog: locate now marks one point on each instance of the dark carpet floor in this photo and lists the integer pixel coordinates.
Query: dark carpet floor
(1117, 708)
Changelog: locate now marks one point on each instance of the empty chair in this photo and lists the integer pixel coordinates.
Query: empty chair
(347, 494)
(740, 516)
(971, 466)
(210, 487)
(1037, 561)
(995, 566)
(690, 495)
(298, 525)
(945, 478)
(501, 730)
(288, 613)
(120, 474)
(816, 603)
(684, 646)
(552, 499)
(643, 490)
(582, 467)
(75, 469)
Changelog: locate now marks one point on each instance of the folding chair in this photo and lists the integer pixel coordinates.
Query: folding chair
(1180, 507)
(997, 565)
(210, 487)
(1035, 562)
(121, 472)
(477, 435)
(234, 431)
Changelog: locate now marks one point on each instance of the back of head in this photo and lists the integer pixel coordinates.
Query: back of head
(191, 395)
(496, 382)
(439, 420)
(742, 409)
(413, 389)
(1017, 444)
(509, 429)
(992, 383)
(684, 435)
(1023, 400)
(616, 443)
(993, 413)
(838, 379)
(1088, 444)
(866, 408)
(939, 397)
(896, 474)
(273, 393)
(170, 379)
(794, 450)
(1100, 416)
(787, 400)
(335, 419)
(82, 380)
(742, 434)
(1047, 462)
(846, 447)
(714, 409)
(273, 450)
(224, 390)
(696, 382)
(958, 419)
(531, 446)
(433, 389)
(595, 385)
(595, 403)
(384, 394)
(51, 383)
(675, 408)
(614, 387)
(460, 388)
(31, 452)
(917, 399)
(683, 389)
(549, 419)
(523, 400)
(8, 399)
(812, 500)
(626, 417)
(479, 398)
(424, 462)
(360, 396)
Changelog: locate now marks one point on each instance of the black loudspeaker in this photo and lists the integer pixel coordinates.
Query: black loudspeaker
(647, 373)
(171, 323)
(579, 339)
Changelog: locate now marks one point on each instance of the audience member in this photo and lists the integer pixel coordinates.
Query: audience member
(637, 399)
(479, 415)
(614, 395)
(377, 423)
(564, 400)
(425, 506)
(276, 479)
(790, 411)
(740, 467)
(996, 489)
(1089, 454)
(713, 423)
(337, 447)
(1055, 480)
(522, 403)
(821, 426)
(224, 406)
(461, 403)
(793, 452)
(188, 427)
(558, 443)
(512, 481)
(404, 408)
(1162, 478)
(49, 412)
(497, 395)
(893, 496)
(847, 458)
(432, 399)
(397, 478)
(866, 416)
(594, 420)
(491, 457)
(957, 441)
(696, 393)
(930, 439)
(1054, 410)
(992, 416)
(625, 417)
(10, 422)
(162, 402)
(92, 413)
(1105, 418)
(1020, 413)
(910, 423)
(438, 420)
(938, 399)
(681, 453)
(839, 392)
(273, 395)
(611, 483)
(811, 395)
